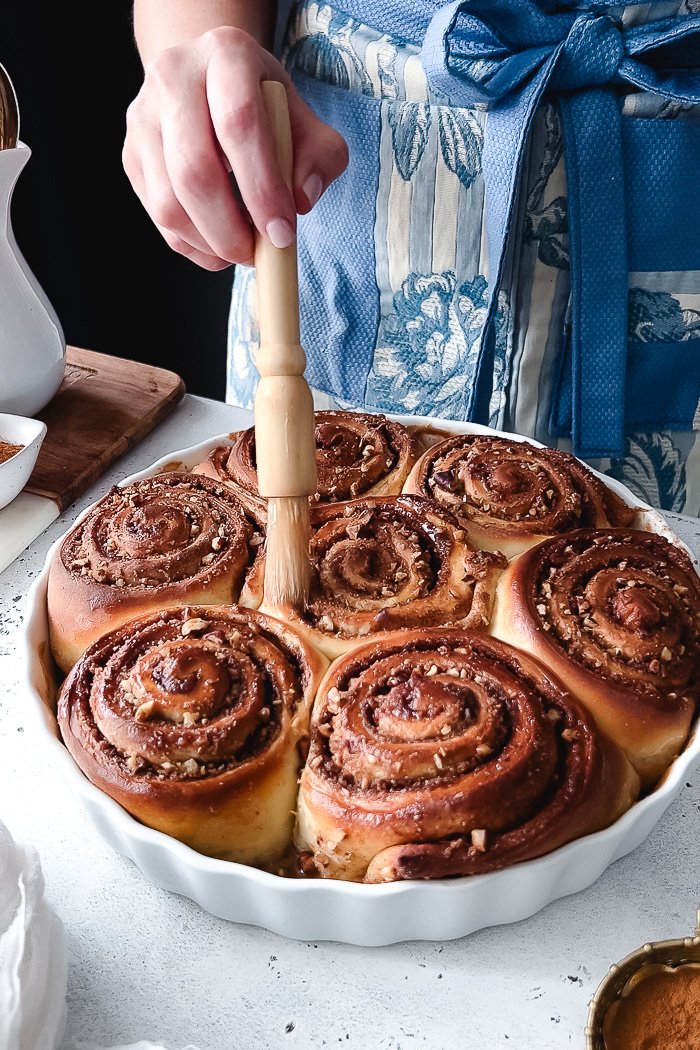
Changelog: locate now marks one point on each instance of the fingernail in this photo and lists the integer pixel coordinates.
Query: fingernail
(313, 188)
(280, 233)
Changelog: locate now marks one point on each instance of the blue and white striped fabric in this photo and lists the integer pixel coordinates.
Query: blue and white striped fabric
(396, 304)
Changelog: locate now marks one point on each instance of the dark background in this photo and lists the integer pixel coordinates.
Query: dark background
(114, 283)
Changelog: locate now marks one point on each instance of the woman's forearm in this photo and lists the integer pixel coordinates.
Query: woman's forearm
(159, 24)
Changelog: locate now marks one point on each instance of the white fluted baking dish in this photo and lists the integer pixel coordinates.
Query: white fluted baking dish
(316, 909)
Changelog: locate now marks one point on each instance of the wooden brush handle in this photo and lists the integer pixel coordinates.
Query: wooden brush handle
(284, 411)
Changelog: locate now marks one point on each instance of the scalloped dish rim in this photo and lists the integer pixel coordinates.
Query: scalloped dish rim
(173, 865)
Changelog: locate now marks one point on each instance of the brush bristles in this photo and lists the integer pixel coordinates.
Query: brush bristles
(287, 567)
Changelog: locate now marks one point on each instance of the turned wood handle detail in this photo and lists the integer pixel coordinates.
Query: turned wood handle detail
(284, 413)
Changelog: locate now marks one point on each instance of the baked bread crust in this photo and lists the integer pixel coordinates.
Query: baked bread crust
(357, 454)
(447, 752)
(615, 614)
(509, 495)
(192, 719)
(171, 538)
(382, 564)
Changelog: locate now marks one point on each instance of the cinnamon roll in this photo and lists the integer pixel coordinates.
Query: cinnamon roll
(192, 719)
(158, 542)
(446, 752)
(509, 495)
(616, 615)
(357, 454)
(383, 564)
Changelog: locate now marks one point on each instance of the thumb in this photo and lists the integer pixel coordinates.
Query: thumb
(320, 154)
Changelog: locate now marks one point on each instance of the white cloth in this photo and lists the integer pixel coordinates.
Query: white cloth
(32, 954)
(33, 965)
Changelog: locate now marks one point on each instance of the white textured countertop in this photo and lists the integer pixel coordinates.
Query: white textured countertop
(146, 964)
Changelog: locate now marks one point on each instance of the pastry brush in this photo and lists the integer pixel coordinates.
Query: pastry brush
(284, 412)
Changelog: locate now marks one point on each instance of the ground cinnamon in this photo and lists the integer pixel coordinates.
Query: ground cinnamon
(8, 450)
(659, 1010)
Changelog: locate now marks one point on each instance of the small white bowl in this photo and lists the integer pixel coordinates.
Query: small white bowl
(15, 471)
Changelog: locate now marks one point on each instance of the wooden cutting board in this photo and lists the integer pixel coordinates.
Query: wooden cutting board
(104, 406)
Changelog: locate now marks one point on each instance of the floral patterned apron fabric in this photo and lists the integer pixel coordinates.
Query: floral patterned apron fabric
(396, 309)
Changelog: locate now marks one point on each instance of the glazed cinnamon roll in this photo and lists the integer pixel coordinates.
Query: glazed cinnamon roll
(357, 454)
(191, 719)
(509, 495)
(152, 544)
(382, 564)
(616, 615)
(446, 752)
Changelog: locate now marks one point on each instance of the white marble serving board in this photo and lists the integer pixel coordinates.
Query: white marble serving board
(21, 522)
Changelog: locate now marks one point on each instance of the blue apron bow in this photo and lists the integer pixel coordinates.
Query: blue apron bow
(504, 57)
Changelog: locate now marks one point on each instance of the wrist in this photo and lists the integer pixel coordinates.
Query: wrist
(161, 24)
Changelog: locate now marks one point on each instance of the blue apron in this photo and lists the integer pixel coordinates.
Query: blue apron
(516, 240)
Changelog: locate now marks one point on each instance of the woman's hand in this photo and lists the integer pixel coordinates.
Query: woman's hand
(199, 154)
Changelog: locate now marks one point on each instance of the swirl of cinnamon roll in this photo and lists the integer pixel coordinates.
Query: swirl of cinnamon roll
(382, 564)
(357, 454)
(616, 615)
(190, 719)
(509, 495)
(446, 752)
(158, 542)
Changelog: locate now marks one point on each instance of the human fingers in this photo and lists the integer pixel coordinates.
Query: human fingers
(146, 171)
(320, 153)
(243, 131)
(176, 167)
(194, 168)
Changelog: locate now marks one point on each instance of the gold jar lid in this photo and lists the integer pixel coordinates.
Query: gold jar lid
(662, 955)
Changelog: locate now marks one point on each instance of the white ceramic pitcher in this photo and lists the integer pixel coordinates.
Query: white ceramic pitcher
(32, 343)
